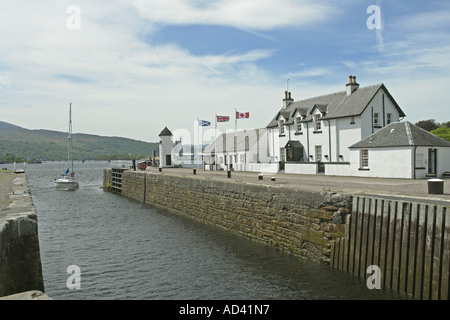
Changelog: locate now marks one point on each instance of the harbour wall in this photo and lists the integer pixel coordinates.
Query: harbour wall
(20, 259)
(407, 239)
(302, 223)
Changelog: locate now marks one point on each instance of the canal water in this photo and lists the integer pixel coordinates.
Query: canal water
(127, 250)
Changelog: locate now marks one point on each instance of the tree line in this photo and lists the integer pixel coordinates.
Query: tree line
(439, 129)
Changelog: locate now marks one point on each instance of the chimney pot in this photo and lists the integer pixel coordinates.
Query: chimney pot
(354, 79)
(290, 95)
(350, 79)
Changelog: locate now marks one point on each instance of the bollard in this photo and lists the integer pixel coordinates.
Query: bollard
(194, 171)
(229, 174)
(435, 186)
(260, 176)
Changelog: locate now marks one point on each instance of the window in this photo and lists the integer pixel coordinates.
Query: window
(282, 155)
(318, 153)
(317, 123)
(247, 143)
(281, 125)
(364, 158)
(389, 118)
(299, 124)
(376, 119)
(419, 160)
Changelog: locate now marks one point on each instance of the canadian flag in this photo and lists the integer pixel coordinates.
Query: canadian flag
(242, 115)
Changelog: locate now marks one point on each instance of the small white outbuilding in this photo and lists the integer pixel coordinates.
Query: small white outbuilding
(400, 150)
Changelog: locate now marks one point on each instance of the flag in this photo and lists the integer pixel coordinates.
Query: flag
(242, 115)
(67, 171)
(203, 123)
(223, 118)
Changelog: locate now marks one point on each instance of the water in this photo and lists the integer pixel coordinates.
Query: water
(127, 250)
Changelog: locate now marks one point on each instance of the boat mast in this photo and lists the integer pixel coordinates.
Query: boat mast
(70, 149)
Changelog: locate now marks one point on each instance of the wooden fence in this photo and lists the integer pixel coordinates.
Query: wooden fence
(408, 241)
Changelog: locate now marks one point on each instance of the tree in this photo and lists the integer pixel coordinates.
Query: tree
(428, 125)
(443, 132)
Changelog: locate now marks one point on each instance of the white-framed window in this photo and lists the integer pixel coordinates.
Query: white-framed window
(318, 153)
(389, 118)
(364, 153)
(317, 122)
(282, 155)
(281, 126)
(298, 120)
(376, 119)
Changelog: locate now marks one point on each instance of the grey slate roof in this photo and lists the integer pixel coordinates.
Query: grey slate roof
(401, 134)
(225, 141)
(165, 132)
(335, 105)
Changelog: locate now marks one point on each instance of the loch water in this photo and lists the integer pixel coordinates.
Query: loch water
(126, 250)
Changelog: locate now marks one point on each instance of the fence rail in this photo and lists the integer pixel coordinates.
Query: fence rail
(408, 241)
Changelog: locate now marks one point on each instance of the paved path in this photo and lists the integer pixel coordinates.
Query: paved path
(6, 187)
(345, 185)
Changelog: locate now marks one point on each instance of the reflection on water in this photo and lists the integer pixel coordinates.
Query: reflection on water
(127, 250)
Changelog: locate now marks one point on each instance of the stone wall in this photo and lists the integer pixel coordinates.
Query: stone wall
(20, 260)
(300, 222)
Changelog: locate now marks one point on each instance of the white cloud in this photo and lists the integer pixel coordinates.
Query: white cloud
(118, 84)
(249, 14)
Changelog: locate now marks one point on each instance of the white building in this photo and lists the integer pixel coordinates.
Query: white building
(328, 135)
(400, 150)
(243, 150)
(165, 148)
(313, 135)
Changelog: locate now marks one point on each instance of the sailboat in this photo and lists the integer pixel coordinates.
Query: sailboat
(66, 181)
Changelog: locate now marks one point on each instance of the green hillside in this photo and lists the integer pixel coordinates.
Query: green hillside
(18, 143)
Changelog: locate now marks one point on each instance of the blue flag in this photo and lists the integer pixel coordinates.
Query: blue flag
(67, 171)
(203, 123)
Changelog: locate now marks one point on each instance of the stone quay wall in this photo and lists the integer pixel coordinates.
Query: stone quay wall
(300, 222)
(20, 259)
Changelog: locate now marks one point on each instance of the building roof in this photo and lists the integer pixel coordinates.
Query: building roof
(401, 134)
(225, 142)
(335, 105)
(165, 132)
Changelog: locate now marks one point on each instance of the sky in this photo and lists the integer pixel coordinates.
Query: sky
(132, 67)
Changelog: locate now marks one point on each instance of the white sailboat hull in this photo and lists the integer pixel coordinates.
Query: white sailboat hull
(66, 184)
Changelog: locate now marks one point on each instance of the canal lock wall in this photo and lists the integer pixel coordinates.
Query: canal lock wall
(407, 239)
(302, 223)
(20, 259)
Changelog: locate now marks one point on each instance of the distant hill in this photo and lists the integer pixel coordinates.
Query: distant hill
(20, 143)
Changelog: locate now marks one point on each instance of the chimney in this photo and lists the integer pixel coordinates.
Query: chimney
(352, 85)
(287, 99)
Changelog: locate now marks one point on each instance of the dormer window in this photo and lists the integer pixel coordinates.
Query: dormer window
(317, 122)
(298, 123)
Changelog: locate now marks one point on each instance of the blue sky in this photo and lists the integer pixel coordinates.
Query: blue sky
(132, 67)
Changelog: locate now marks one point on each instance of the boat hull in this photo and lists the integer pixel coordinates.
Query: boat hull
(64, 184)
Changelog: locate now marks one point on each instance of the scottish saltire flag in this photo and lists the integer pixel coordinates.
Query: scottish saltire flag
(223, 118)
(204, 123)
(242, 115)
